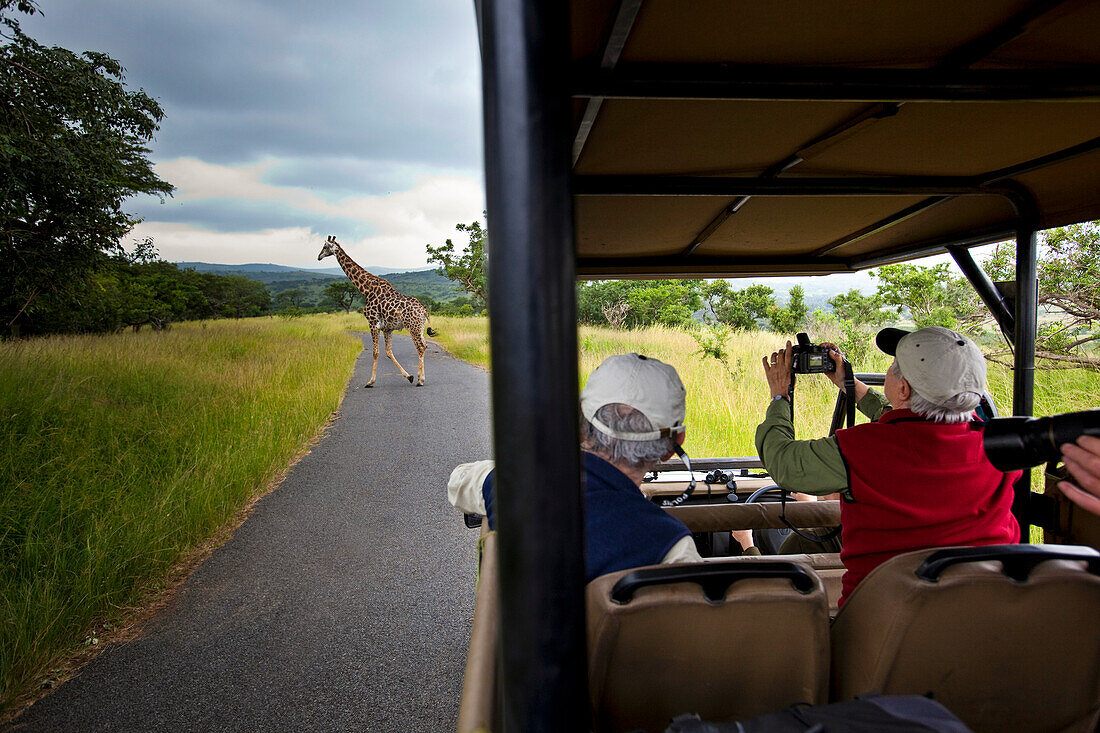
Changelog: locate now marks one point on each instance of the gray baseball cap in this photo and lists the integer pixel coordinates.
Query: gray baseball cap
(939, 363)
(650, 386)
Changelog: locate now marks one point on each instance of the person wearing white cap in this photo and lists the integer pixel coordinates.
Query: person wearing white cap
(917, 475)
(633, 409)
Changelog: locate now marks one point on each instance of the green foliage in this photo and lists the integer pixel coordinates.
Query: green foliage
(72, 149)
(462, 307)
(291, 299)
(791, 317)
(664, 302)
(1069, 286)
(932, 296)
(468, 268)
(138, 289)
(856, 343)
(712, 340)
(860, 309)
(342, 294)
(647, 302)
(740, 309)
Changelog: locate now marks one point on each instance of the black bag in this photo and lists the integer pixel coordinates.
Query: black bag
(866, 714)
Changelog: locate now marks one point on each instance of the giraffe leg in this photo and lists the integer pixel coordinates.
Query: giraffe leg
(389, 353)
(374, 364)
(418, 340)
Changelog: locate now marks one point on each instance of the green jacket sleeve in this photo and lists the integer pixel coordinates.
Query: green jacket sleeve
(810, 466)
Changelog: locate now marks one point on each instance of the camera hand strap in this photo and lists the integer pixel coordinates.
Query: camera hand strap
(849, 393)
(691, 477)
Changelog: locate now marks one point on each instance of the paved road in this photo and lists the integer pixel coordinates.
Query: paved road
(343, 603)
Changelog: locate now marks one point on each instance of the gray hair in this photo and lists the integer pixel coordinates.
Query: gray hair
(958, 409)
(624, 419)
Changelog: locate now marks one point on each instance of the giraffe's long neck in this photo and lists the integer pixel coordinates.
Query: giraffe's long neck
(359, 277)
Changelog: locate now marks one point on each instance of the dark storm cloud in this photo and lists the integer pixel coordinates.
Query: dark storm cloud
(386, 81)
(237, 216)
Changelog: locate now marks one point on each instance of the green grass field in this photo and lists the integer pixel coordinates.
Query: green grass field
(725, 403)
(120, 454)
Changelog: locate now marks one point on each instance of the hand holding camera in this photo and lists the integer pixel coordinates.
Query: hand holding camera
(1083, 461)
(810, 358)
(778, 371)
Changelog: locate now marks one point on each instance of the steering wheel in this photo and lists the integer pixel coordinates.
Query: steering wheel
(768, 540)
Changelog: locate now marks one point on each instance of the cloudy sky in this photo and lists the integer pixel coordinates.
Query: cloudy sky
(287, 121)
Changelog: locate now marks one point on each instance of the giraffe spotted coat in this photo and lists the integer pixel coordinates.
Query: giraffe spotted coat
(386, 310)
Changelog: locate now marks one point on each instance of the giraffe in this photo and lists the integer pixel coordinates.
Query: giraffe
(386, 310)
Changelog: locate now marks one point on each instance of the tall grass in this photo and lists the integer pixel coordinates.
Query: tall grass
(727, 401)
(119, 454)
(466, 338)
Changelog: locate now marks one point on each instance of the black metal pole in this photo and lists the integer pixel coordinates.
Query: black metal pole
(986, 290)
(1023, 370)
(533, 330)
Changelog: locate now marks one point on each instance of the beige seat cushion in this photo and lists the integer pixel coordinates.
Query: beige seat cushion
(477, 711)
(1002, 654)
(670, 650)
(827, 565)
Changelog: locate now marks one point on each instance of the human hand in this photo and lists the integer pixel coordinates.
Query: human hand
(1083, 461)
(743, 537)
(837, 375)
(778, 371)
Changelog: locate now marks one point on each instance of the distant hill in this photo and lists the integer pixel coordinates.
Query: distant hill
(270, 267)
(279, 278)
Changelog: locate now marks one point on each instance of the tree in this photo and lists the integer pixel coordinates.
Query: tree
(664, 302)
(342, 294)
(740, 309)
(594, 297)
(72, 149)
(234, 296)
(859, 309)
(1069, 285)
(293, 298)
(791, 317)
(467, 269)
(932, 295)
(638, 303)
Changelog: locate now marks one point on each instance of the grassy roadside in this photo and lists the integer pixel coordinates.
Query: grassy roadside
(119, 454)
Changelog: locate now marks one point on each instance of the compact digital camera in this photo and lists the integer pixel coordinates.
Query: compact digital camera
(809, 358)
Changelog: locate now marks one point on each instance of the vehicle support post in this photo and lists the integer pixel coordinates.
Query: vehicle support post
(1023, 368)
(533, 331)
(986, 290)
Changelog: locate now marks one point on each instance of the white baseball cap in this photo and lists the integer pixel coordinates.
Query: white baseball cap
(939, 363)
(650, 386)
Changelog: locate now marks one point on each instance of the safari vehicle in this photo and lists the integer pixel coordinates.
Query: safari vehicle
(652, 138)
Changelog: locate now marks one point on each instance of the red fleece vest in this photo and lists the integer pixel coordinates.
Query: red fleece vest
(918, 484)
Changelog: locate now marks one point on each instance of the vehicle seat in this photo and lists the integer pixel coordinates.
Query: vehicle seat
(1007, 637)
(478, 709)
(827, 565)
(724, 640)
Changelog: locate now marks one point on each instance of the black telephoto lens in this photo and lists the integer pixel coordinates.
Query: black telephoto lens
(1013, 443)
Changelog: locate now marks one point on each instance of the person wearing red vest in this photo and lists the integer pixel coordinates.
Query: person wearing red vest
(917, 476)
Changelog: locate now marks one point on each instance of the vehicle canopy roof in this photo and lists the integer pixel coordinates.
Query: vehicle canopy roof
(730, 137)
(725, 138)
